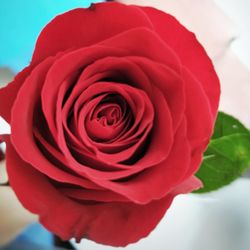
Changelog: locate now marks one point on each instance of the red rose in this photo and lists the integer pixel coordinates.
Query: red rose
(109, 121)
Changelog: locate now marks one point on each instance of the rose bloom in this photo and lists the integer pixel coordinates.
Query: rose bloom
(109, 121)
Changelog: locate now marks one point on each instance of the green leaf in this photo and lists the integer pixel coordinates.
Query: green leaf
(227, 125)
(227, 156)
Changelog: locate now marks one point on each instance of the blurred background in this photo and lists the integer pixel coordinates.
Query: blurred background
(22, 21)
(219, 220)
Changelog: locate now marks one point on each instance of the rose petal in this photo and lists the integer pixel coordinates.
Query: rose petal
(190, 184)
(162, 177)
(169, 82)
(83, 26)
(190, 52)
(8, 94)
(158, 150)
(124, 222)
(70, 64)
(81, 194)
(22, 128)
(219, 31)
(143, 117)
(198, 113)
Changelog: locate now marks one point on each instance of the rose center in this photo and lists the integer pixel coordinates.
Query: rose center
(109, 118)
(109, 114)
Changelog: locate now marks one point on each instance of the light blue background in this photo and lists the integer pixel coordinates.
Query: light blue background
(20, 24)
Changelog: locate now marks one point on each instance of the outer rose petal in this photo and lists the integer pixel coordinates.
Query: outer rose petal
(116, 224)
(190, 52)
(84, 27)
(8, 94)
(198, 112)
(218, 32)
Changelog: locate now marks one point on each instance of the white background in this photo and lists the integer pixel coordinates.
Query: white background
(239, 12)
